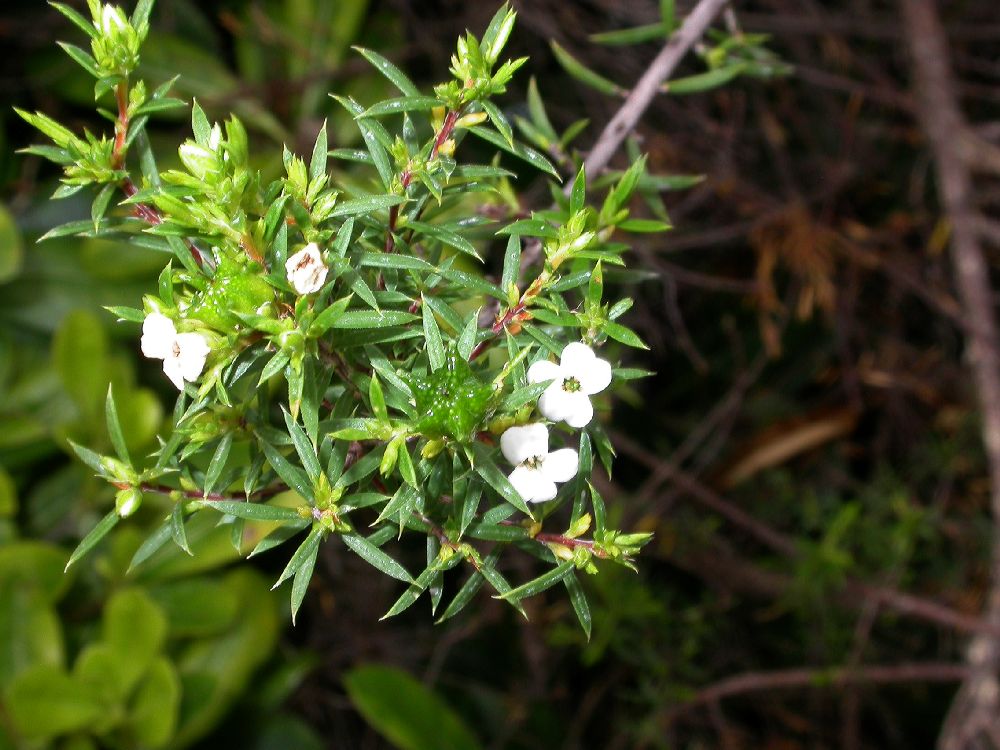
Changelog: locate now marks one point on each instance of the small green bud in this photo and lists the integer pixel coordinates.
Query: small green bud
(579, 528)
(127, 501)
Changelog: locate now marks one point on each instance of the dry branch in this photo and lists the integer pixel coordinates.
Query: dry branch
(974, 718)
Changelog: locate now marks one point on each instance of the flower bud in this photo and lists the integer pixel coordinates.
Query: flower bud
(127, 501)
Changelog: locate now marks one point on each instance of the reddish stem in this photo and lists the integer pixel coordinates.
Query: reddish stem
(141, 211)
(511, 316)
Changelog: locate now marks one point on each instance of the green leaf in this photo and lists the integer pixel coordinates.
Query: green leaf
(155, 706)
(584, 74)
(644, 225)
(703, 81)
(85, 60)
(199, 125)
(95, 535)
(470, 588)
(402, 104)
(305, 554)
(390, 71)
(255, 511)
(218, 462)
(80, 354)
(620, 333)
(115, 428)
(650, 32)
(405, 712)
(304, 447)
(537, 585)
(446, 236)
(135, 628)
(521, 151)
(496, 479)
(406, 468)
(376, 557)
(43, 702)
(579, 602)
(432, 337)
(354, 319)
(373, 140)
(499, 120)
(152, 543)
(79, 21)
(177, 530)
(579, 192)
(303, 574)
(293, 476)
(377, 399)
(365, 205)
(317, 165)
(410, 596)
(467, 339)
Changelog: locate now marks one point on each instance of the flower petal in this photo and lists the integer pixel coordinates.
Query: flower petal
(555, 403)
(579, 410)
(172, 368)
(596, 377)
(193, 352)
(158, 334)
(576, 356)
(532, 485)
(544, 370)
(305, 270)
(521, 443)
(560, 465)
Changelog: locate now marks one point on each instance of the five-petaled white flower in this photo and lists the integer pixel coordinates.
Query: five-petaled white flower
(306, 270)
(183, 354)
(537, 470)
(578, 376)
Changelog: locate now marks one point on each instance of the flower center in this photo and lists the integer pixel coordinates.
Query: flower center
(534, 463)
(176, 349)
(571, 385)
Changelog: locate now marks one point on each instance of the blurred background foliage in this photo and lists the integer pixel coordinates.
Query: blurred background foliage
(808, 438)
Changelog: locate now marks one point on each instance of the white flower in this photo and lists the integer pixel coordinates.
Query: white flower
(306, 270)
(183, 354)
(537, 470)
(578, 376)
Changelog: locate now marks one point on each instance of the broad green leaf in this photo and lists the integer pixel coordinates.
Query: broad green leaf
(154, 708)
(45, 702)
(405, 712)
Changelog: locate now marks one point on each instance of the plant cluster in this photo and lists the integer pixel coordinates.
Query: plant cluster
(354, 354)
